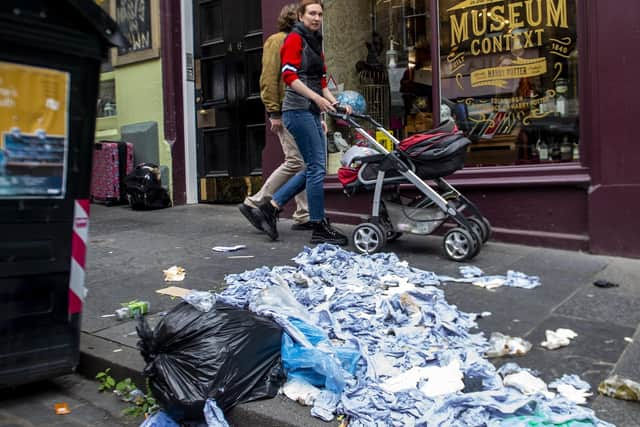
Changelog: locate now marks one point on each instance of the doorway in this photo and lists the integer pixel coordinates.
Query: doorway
(230, 116)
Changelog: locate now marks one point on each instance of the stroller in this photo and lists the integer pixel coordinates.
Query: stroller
(424, 156)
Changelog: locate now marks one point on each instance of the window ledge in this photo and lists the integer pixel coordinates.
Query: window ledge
(563, 174)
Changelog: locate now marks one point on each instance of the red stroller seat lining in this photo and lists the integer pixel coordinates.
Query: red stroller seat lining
(347, 175)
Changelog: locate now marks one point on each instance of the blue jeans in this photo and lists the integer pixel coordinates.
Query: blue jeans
(306, 129)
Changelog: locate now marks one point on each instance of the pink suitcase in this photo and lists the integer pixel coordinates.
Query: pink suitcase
(112, 161)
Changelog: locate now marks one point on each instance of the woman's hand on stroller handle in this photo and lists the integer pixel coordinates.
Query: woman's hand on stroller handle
(344, 109)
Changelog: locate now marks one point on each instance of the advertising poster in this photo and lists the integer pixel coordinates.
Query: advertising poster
(34, 104)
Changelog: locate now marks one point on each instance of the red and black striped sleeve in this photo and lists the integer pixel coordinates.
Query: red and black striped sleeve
(291, 57)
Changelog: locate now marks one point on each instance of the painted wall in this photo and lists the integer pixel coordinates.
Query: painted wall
(347, 26)
(611, 72)
(138, 99)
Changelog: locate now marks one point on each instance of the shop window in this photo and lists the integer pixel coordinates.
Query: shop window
(404, 27)
(394, 75)
(107, 99)
(509, 76)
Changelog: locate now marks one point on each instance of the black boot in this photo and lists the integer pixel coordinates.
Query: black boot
(268, 215)
(323, 232)
(251, 214)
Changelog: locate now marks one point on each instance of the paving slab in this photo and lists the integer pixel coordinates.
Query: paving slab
(603, 305)
(618, 412)
(624, 272)
(628, 365)
(592, 354)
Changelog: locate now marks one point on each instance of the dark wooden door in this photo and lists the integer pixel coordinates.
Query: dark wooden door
(230, 115)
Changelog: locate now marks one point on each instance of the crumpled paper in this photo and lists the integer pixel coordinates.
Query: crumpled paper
(174, 274)
(559, 338)
(505, 345)
(301, 391)
(527, 384)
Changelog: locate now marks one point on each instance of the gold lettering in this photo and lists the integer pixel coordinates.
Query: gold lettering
(477, 31)
(557, 14)
(497, 15)
(486, 46)
(508, 38)
(459, 29)
(475, 50)
(534, 22)
(539, 33)
(514, 15)
(497, 44)
(528, 39)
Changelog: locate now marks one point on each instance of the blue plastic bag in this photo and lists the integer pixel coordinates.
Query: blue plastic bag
(322, 365)
(159, 419)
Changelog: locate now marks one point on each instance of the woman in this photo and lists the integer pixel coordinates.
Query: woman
(306, 97)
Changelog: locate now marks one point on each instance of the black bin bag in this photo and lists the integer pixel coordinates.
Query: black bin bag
(144, 188)
(228, 354)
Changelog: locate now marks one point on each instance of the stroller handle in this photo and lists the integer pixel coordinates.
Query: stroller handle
(341, 113)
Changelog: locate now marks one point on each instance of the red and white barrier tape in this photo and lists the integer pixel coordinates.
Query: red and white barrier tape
(79, 240)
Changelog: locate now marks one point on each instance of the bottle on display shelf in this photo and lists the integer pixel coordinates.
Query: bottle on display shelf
(554, 149)
(561, 88)
(566, 150)
(533, 107)
(576, 151)
(543, 149)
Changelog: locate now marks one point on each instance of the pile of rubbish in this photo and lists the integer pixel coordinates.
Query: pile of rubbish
(367, 337)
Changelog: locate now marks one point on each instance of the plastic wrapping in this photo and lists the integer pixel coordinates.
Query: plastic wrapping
(321, 365)
(504, 345)
(201, 300)
(227, 354)
(620, 388)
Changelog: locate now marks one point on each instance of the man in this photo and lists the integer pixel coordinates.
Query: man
(272, 93)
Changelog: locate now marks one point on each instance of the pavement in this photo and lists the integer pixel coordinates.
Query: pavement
(129, 249)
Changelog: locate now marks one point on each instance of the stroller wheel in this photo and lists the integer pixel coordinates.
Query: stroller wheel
(459, 245)
(368, 238)
(480, 227)
(487, 224)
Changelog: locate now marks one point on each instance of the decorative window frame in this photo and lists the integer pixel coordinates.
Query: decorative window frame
(153, 52)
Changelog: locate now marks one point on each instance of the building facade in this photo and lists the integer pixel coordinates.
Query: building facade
(544, 89)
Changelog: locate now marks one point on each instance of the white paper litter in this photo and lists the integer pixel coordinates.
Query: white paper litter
(444, 380)
(300, 391)
(439, 380)
(558, 338)
(228, 248)
(527, 384)
(573, 394)
(174, 274)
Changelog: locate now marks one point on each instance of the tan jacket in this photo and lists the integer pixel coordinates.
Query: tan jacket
(271, 84)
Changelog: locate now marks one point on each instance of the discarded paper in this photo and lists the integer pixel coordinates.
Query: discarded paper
(505, 345)
(174, 274)
(228, 248)
(558, 338)
(174, 291)
(62, 408)
(620, 388)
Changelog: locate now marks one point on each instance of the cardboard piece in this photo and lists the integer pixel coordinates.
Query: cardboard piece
(174, 291)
